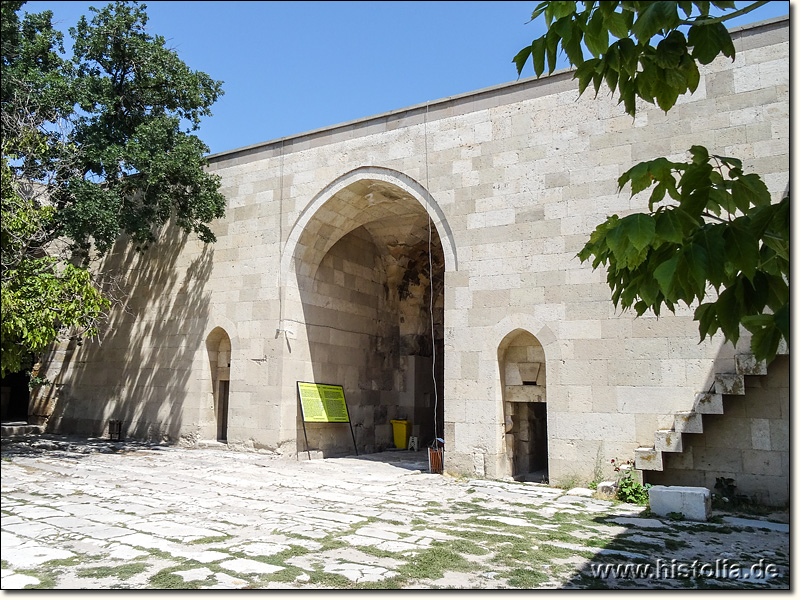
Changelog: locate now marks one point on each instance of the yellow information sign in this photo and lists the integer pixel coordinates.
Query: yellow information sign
(322, 403)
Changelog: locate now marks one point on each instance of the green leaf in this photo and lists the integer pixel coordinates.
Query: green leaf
(706, 315)
(596, 35)
(673, 225)
(655, 17)
(709, 40)
(765, 341)
(522, 57)
(538, 53)
(741, 249)
(697, 260)
(749, 190)
(640, 228)
(618, 24)
(729, 313)
(782, 321)
(665, 275)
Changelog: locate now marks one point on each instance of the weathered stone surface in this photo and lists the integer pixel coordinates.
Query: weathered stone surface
(412, 517)
(694, 503)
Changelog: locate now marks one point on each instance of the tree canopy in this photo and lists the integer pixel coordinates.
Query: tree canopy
(94, 146)
(713, 237)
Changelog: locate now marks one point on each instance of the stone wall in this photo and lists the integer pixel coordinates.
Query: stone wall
(749, 443)
(507, 183)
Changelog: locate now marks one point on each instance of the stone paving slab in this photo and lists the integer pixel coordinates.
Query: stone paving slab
(90, 514)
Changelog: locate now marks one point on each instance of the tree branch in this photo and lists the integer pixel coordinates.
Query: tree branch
(723, 18)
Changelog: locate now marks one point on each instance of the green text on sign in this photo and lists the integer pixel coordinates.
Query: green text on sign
(322, 403)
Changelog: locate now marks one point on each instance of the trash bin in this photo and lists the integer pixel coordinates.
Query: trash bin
(114, 429)
(436, 460)
(402, 429)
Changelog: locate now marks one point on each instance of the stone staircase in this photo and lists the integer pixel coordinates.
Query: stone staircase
(706, 403)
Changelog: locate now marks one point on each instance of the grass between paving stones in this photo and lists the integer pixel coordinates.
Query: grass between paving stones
(432, 562)
(526, 577)
(166, 579)
(211, 539)
(47, 573)
(123, 572)
(670, 544)
(520, 559)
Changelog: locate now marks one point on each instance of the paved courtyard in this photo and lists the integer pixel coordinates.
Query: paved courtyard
(95, 514)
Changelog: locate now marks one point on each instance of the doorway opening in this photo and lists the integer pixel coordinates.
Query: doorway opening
(218, 345)
(523, 378)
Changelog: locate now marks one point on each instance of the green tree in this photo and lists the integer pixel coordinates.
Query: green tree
(94, 147)
(712, 234)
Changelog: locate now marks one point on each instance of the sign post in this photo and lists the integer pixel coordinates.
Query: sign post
(323, 403)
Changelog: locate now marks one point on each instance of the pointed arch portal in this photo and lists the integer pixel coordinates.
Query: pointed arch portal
(363, 274)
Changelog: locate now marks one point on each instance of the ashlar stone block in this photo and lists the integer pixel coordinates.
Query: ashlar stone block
(694, 503)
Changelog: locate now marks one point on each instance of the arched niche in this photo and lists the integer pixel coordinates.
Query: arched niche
(218, 347)
(523, 376)
(367, 299)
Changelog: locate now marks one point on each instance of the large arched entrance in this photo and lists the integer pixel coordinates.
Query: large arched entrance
(369, 265)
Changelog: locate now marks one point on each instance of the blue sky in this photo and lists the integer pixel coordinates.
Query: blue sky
(290, 67)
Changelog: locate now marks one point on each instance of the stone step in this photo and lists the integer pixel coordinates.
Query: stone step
(668, 440)
(708, 403)
(746, 364)
(688, 422)
(648, 459)
(16, 430)
(731, 384)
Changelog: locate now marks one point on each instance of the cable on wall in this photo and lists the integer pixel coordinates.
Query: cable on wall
(430, 267)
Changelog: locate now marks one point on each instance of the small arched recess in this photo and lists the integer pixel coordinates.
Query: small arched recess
(524, 383)
(218, 346)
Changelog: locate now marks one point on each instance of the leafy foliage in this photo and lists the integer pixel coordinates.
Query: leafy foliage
(712, 231)
(94, 147)
(721, 233)
(628, 488)
(632, 65)
(41, 296)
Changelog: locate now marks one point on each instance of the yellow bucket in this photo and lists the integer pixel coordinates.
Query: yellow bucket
(402, 429)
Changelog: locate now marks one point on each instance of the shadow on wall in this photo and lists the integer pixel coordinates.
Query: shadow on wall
(140, 369)
(745, 440)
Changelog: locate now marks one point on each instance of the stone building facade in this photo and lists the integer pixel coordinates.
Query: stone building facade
(425, 260)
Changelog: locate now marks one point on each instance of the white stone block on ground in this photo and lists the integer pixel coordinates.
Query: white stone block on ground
(245, 565)
(693, 502)
(33, 555)
(17, 581)
(121, 552)
(260, 549)
(756, 524)
(579, 491)
(607, 488)
(638, 522)
(226, 582)
(186, 533)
